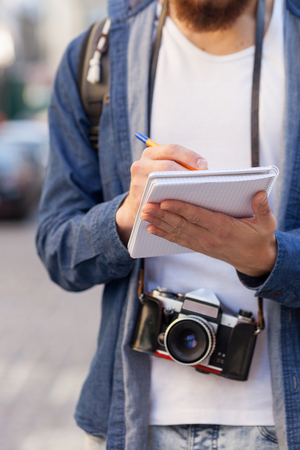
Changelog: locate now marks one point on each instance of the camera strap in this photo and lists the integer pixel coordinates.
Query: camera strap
(260, 324)
(259, 36)
(141, 280)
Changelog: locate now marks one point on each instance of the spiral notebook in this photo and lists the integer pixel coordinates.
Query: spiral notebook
(227, 191)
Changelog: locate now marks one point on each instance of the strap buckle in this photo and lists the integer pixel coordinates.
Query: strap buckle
(260, 324)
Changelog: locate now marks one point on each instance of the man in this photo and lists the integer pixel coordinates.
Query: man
(201, 101)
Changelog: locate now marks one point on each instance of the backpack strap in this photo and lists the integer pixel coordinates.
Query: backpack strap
(93, 74)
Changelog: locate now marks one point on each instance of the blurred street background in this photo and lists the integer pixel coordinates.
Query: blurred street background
(47, 336)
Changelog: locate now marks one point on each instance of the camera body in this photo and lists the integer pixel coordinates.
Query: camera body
(192, 330)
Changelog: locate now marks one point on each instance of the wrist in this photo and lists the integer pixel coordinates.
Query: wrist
(124, 223)
(265, 262)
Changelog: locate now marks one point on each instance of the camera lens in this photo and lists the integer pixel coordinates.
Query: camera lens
(190, 340)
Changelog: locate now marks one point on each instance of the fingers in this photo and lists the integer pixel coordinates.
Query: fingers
(176, 153)
(262, 212)
(247, 244)
(154, 159)
(143, 167)
(172, 224)
(172, 227)
(194, 214)
(163, 158)
(157, 159)
(178, 220)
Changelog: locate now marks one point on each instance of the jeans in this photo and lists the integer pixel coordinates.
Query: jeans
(203, 437)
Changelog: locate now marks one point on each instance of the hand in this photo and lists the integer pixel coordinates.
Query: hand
(247, 244)
(154, 159)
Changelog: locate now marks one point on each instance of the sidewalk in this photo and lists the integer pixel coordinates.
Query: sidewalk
(47, 340)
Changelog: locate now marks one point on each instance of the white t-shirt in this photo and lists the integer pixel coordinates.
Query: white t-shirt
(203, 102)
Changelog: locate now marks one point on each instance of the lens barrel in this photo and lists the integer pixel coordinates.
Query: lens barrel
(189, 340)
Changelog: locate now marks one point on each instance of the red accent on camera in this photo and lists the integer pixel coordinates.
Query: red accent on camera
(197, 366)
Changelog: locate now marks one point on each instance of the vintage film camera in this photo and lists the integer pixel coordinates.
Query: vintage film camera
(191, 330)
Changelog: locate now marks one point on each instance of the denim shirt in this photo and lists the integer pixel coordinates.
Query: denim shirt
(78, 242)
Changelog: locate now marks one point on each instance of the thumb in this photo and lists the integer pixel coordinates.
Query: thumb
(261, 208)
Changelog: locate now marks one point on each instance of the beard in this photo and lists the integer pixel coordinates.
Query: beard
(208, 15)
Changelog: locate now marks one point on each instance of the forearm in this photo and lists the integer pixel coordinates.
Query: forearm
(77, 238)
(82, 250)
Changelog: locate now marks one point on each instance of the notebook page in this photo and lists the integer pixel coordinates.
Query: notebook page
(230, 194)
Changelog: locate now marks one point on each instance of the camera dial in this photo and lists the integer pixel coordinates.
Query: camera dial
(190, 340)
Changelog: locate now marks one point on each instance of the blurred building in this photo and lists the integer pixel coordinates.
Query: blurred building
(33, 37)
(62, 21)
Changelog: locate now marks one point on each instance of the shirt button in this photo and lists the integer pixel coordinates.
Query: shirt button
(276, 293)
(264, 293)
(106, 98)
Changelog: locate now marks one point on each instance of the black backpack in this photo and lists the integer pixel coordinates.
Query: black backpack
(94, 63)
